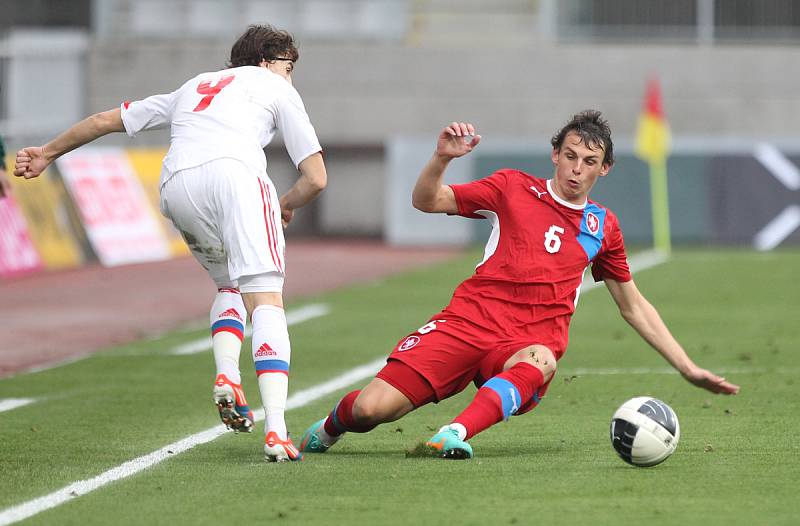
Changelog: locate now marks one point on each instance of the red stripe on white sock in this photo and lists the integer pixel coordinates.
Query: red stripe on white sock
(236, 332)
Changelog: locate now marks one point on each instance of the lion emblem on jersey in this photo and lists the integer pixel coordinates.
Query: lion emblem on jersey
(592, 223)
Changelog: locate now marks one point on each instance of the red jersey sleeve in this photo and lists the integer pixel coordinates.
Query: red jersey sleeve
(611, 262)
(483, 194)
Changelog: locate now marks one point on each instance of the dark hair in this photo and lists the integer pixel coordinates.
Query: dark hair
(593, 130)
(261, 43)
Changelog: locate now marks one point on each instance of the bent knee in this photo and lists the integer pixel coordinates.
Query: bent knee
(369, 411)
(539, 356)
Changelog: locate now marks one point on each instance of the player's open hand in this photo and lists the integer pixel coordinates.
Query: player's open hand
(711, 382)
(31, 162)
(456, 140)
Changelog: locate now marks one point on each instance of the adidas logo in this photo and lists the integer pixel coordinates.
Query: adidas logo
(265, 350)
(231, 313)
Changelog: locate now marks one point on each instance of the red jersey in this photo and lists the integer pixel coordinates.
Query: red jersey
(527, 286)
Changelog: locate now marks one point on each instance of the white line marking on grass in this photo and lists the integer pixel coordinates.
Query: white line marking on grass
(646, 260)
(306, 396)
(293, 317)
(7, 404)
(47, 367)
(309, 312)
(195, 346)
(638, 262)
(76, 489)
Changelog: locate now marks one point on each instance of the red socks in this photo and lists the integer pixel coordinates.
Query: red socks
(341, 418)
(500, 397)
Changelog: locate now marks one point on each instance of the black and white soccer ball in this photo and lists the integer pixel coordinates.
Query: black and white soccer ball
(645, 431)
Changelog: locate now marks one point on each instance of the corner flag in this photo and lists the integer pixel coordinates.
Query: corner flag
(652, 146)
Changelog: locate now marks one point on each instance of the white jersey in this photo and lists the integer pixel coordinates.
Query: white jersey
(232, 113)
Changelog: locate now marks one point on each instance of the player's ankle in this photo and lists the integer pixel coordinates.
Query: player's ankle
(275, 424)
(458, 428)
(326, 439)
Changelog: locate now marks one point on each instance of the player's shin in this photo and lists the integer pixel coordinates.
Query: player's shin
(227, 332)
(271, 356)
(323, 434)
(499, 398)
(342, 419)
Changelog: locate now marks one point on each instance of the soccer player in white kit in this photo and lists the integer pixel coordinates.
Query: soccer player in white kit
(215, 189)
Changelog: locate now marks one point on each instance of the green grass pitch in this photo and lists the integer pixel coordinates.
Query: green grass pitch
(736, 312)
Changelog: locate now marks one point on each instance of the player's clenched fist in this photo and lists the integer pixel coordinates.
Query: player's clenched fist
(30, 162)
(457, 139)
(286, 216)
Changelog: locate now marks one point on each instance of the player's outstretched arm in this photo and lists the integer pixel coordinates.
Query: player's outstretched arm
(313, 180)
(430, 195)
(643, 317)
(33, 160)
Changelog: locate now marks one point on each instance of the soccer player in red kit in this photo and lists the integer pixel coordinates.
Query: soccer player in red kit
(507, 326)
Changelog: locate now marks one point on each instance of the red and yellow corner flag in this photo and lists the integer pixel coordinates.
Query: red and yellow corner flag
(652, 146)
(652, 135)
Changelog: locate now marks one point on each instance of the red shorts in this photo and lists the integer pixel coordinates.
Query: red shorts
(446, 359)
(408, 381)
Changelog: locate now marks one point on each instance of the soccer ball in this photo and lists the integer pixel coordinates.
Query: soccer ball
(645, 431)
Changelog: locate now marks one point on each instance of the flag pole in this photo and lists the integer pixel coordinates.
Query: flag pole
(659, 197)
(652, 146)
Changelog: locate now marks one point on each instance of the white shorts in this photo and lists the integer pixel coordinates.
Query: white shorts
(229, 216)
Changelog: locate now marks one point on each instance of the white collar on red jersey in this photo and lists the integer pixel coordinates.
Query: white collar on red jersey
(561, 201)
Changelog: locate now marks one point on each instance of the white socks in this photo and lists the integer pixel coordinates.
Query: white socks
(326, 439)
(228, 317)
(271, 355)
(458, 428)
(271, 351)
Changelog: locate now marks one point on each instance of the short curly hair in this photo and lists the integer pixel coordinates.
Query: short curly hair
(593, 130)
(261, 43)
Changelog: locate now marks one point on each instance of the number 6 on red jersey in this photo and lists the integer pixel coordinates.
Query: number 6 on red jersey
(552, 243)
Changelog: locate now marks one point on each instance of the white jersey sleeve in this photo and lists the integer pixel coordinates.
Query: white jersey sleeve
(152, 113)
(293, 122)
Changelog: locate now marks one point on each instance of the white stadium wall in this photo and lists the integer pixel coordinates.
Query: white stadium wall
(360, 96)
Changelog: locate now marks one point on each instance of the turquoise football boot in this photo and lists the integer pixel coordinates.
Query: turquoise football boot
(311, 442)
(446, 444)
